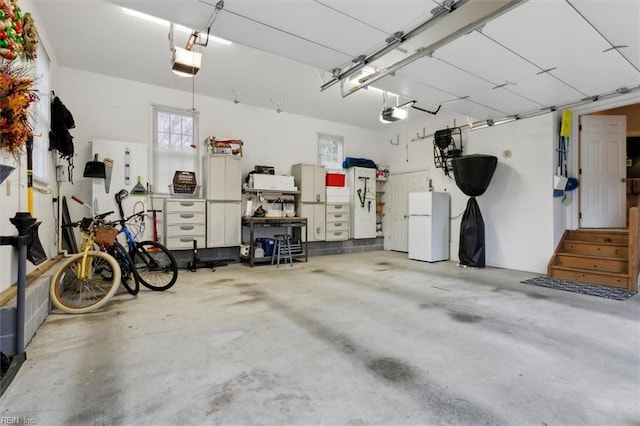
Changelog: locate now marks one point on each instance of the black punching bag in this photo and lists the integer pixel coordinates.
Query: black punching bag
(473, 174)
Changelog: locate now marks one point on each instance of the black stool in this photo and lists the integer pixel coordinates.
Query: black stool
(282, 247)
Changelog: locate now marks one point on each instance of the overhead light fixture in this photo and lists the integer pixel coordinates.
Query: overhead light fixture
(392, 114)
(165, 23)
(185, 63)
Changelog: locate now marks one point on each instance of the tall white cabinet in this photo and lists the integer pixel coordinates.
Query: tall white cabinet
(362, 201)
(311, 182)
(222, 180)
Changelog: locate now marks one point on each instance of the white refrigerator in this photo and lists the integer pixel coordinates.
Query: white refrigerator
(429, 226)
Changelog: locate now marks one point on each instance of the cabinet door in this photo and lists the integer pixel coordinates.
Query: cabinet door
(307, 188)
(215, 224)
(233, 179)
(319, 223)
(215, 180)
(319, 184)
(233, 225)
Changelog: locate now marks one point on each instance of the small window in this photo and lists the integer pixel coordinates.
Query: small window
(174, 146)
(330, 151)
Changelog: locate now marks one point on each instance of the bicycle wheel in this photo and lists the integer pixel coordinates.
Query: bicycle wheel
(77, 293)
(129, 277)
(156, 266)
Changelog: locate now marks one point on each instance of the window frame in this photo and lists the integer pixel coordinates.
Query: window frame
(336, 162)
(157, 109)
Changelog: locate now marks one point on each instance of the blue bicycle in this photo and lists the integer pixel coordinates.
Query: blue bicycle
(154, 264)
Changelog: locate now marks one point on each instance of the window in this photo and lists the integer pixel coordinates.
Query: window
(41, 117)
(174, 146)
(330, 151)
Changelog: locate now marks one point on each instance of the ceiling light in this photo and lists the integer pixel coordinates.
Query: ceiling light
(185, 63)
(165, 23)
(392, 114)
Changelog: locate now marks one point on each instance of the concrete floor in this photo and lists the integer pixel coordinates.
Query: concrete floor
(370, 338)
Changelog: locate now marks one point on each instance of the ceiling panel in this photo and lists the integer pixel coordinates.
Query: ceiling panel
(438, 74)
(619, 22)
(313, 21)
(570, 45)
(388, 16)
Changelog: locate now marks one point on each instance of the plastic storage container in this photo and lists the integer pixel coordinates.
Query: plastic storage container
(335, 179)
(267, 245)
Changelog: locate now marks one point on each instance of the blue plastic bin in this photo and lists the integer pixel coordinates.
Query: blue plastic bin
(267, 245)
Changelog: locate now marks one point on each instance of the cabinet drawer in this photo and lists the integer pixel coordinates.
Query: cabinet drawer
(338, 217)
(186, 218)
(338, 226)
(185, 206)
(337, 208)
(337, 235)
(184, 242)
(186, 229)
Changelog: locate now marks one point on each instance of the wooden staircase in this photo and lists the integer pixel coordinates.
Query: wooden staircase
(593, 256)
(608, 257)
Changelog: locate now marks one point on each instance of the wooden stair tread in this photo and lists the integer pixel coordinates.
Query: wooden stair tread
(590, 271)
(594, 243)
(588, 256)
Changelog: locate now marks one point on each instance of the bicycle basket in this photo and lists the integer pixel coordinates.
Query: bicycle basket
(105, 235)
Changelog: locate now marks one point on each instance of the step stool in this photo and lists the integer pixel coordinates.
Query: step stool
(282, 248)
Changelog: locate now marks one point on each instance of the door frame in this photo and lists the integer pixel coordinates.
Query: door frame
(573, 213)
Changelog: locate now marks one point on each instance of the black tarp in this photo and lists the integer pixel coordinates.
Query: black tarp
(473, 174)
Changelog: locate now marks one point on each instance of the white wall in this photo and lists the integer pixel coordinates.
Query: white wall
(116, 109)
(13, 192)
(518, 208)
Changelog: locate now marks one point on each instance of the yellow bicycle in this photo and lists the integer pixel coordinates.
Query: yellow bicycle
(87, 280)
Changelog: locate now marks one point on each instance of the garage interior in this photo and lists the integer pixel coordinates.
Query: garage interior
(352, 329)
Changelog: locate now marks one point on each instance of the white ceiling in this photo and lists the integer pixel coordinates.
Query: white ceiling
(540, 54)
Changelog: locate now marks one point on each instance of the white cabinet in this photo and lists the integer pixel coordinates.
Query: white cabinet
(310, 179)
(184, 223)
(362, 199)
(315, 214)
(223, 223)
(222, 180)
(337, 222)
(222, 177)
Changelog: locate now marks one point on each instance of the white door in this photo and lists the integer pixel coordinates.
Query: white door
(602, 161)
(398, 189)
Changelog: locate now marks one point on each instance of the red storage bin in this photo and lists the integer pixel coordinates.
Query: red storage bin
(335, 179)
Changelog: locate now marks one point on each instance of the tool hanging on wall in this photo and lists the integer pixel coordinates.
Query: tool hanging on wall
(94, 169)
(108, 168)
(362, 195)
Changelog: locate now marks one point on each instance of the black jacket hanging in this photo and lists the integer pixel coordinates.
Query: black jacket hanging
(61, 121)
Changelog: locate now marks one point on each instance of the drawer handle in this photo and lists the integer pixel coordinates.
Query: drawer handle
(186, 239)
(337, 216)
(187, 227)
(338, 207)
(186, 203)
(337, 233)
(187, 215)
(337, 224)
